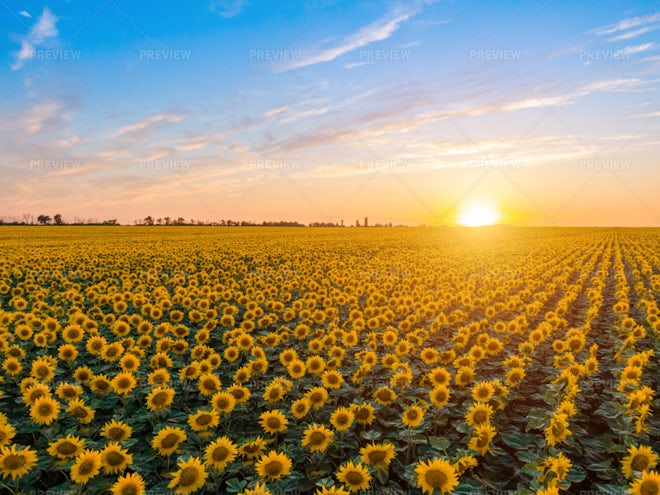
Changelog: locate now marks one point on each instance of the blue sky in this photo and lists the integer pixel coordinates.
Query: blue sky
(406, 112)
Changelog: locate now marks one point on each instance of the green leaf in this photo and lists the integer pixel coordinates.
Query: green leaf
(234, 485)
(439, 443)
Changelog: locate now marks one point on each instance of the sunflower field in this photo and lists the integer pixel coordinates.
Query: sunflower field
(165, 360)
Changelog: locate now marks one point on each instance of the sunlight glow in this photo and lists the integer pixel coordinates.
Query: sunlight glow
(478, 214)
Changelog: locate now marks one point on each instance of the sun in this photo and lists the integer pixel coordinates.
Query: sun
(478, 214)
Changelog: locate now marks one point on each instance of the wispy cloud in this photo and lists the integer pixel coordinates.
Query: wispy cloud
(146, 123)
(634, 34)
(631, 50)
(43, 29)
(625, 24)
(227, 8)
(377, 31)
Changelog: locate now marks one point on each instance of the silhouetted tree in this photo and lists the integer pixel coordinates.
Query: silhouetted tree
(57, 218)
(43, 219)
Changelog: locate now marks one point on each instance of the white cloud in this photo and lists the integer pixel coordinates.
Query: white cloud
(36, 117)
(631, 50)
(227, 8)
(633, 34)
(377, 31)
(147, 122)
(625, 24)
(44, 29)
(312, 112)
(25, 14)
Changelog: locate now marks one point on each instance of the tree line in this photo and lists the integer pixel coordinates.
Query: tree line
(56, 219)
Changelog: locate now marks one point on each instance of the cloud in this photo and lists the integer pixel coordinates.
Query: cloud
(41, 115)
(146, 123)
(631, 50)
(377, 31)
(312, 112)
(227, 8)
(633, 34)
(625, 24)
(25, 14)
(43, 29)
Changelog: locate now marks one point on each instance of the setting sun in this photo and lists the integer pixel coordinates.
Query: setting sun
(478, 214)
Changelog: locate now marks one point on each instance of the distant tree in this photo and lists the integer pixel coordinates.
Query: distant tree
(159, 221)
(43, 219)
(28, 218)
(112, 221)
(180, 221)
(57, 218)
(167, 220)
(148, 220)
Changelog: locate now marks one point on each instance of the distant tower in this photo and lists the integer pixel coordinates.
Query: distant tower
(366, 222)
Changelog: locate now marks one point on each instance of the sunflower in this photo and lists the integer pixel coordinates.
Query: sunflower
(64, 448)
(16, 462)
(317, 397)
(220, 452)
(123, 383)
(638, 459)
(203, 420)
(300, 407)
(44, 410)
(483, 391)
(68, 391)
(12, 366)
(384, 396)
(80, 411)
(296, 368)
(73, 334)
(315, 365)
(557, 431)
(478, 414)
(464, 463)
(167, 440)
(112, 352)
(86, 466)
(514, 376)
(273, 465)
(648, 484)
(208, 384)
(43, 369)
(355, 476)
(316, 438)
(439, 376)
(129, 484)
(116, 431)
(332, 379)
(67, 352)
(439, 396)
(560, 466)
(364, 413)
(436, 474)
(100, 384)
(159, 377)
(273, 421)
(480, 442)
(274, 392)
(242, 375)
(412, 417)
(34, 392)
(129, 362)
(115, 459)
(7, 432)
(252, 448)
(464, 376)
(342, 418)
(159, 398)
(378, 455)
(190, 477)
(95, 344)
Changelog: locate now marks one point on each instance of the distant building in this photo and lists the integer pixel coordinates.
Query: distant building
(366, 222)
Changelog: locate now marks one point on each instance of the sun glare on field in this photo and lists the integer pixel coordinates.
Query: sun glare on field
(478, 214)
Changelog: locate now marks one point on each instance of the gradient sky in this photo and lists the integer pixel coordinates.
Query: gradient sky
(403, 111)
